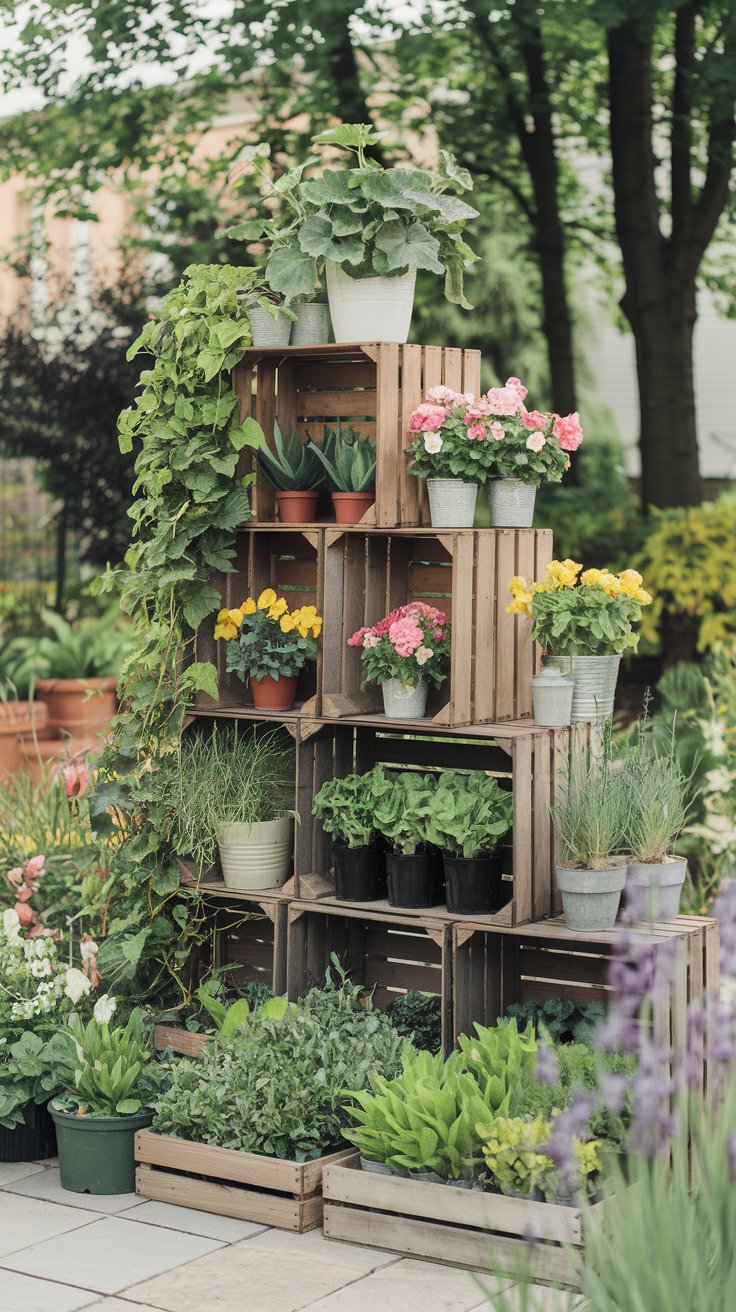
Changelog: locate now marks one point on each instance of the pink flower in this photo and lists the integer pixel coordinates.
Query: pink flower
(536, 441)
(477, 432)
(438, 635)
(25, 893)
(406, 636)
(497, 431)
(357, 638)
(24, 912)
(34, 867)
(15, 877)
(75, 776)
(568, 431)
(444, 396)
(534, 419)
(506, 400)
(427, 418)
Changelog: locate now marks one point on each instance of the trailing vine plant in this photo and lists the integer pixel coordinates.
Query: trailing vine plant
(189, 500)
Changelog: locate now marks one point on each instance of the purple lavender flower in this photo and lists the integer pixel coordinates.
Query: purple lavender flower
(570, 1125)
(653, 1124)
(725, 913)
(548, 1070)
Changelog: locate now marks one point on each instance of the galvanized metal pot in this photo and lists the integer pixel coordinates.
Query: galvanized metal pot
(661, 884)
(595, 684)
(451, 502)
(404, 702)
(267, 331)
(312, 324)
(511, 503)
(552, 693)
(590, 898)
(256, 856)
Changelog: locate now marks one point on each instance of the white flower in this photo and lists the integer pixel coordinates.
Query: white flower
(11, 925)
(498, 431)
(104, 1011)
(40, 968)
(536, 441)
(88, 949)
(423, 654)
(433, 443)
(76, 985)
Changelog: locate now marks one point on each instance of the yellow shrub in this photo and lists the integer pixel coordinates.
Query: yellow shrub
(688, 562)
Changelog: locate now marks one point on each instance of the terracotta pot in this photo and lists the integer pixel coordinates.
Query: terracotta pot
(350, 507)
(273, 694)
(18, 723)
(73, 710)
(297, 507)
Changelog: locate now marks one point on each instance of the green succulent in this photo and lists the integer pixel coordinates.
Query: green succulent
(293, 466)
(349, 460)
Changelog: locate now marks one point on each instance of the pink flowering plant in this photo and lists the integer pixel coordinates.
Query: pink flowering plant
(413, 641)
(456, 435)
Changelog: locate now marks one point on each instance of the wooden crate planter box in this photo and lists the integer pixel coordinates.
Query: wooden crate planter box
(388, 954)
(525, 759)
(246, 1186)
(464, 573)
(290, 562)
(372, 386)
(493, 969)
(461, 1227)
(183, 1042)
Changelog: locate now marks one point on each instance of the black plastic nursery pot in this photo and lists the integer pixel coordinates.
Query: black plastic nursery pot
(414, 881)
(474, 885)
(360, 874)
(32, 1141)
(97, 1153)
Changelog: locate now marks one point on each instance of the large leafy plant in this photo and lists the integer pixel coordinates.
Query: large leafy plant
(593, 615)
(266, 639)
(503, 1061)
(471, 814)
(102, 1067)
(87, 649)
(403, 811)
(372, 221)
(345, 807)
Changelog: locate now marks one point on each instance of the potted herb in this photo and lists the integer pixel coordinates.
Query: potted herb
(268, 646)
(658, 812)
(404, 652)
(74, 667)
(471, 814)
(102, 1107)
(349, 461)
(371, 229)
(344, 808)
(233, 792)
(583, 624)
(514, 1152)
(297, 475)
(591, 819)
(403, 813)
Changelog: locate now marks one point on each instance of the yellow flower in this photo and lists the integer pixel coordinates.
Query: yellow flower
(563, 573)
(226, 630)
(520, 605)
(286, 624)
(276, 611)
(540, 587)
(610, 583)
(249, 606)
(317, 627)
(236, 617)
(517, 585)
(591, 578)
(222, 615)
(266, 599)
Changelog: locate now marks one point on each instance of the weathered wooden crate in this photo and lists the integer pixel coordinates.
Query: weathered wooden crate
(290, 562)
(464, 573)
(493, 969)
(463, 1227)
(178, 1040)
(247, 1186)
(389, 954)
(374, 386)
(249, 931)
(527, 760)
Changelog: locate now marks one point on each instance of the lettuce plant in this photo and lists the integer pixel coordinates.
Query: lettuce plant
(471, 814)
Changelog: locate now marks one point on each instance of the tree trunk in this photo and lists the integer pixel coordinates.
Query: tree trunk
(61, 543)
(557, 320)
(670, 473)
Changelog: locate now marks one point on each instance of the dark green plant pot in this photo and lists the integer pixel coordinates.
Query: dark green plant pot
(96, 1153)
(32, 1141)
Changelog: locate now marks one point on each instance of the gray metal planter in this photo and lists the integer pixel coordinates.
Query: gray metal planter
(590, 898)
(404, 702)
(661, 884)
(595, 684)
(267, 331)
(511, 503)
(312, 324)
(451, 502)
(552, 693)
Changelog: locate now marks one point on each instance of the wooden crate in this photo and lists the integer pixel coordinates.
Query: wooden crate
(464, 573)
(247, 1186)
(179, 1040)
(389, 954)
(249, 932)
(493, 969)
(373, 386)
(525, 759)
(463, 1227)
(290, 562)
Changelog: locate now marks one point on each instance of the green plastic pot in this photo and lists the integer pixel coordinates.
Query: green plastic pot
(97, 1153)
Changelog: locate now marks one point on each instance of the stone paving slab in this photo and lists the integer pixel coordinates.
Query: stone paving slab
(20, 1293)
(48, 1185)
(24, 1221)
(12, 1171)
(192, 1222)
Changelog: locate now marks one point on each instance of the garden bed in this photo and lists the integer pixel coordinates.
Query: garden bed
(246, 1186)
(463, 1227)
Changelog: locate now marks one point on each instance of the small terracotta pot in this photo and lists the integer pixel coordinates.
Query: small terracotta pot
(273, 694)
(73, 710)
(18, 723)
(297, 507)
(350, 507)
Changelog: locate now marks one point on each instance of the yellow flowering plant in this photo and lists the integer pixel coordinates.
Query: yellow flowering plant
(265, 638)
(580, 612)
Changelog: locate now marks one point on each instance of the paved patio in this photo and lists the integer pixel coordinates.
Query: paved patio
(60, 1252)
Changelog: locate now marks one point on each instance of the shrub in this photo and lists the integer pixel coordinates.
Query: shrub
(418, 1017)
(563, 1020)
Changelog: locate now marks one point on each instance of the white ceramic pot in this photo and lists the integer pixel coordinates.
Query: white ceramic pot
(401, 702)
(256, 856)
(451, 502)
(267, 331)
(369, 309)
(312, 324)
(590, 898)
(511, 503)
(657, 886)
(595, 684)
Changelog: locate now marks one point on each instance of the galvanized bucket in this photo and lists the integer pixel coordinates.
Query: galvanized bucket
(511, 503)
(404, 702)
(595, 684)
(267, 331)
(312, 324)
(451, 502)
(552, 693)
